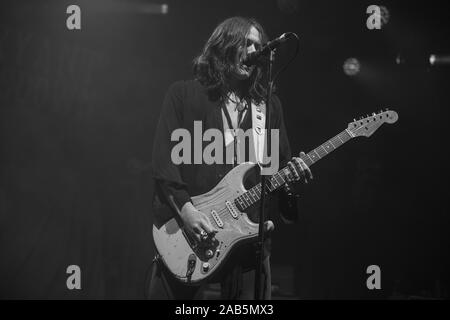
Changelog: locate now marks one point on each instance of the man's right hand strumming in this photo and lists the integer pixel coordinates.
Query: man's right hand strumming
(196, 223)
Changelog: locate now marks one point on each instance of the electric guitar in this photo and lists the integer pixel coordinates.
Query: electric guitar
(226, 205)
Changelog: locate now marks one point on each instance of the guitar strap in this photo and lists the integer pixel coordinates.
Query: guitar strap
(258, 125)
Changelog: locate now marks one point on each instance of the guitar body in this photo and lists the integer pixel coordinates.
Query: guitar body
(178, 252)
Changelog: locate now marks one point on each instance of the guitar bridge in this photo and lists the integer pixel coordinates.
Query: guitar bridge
(192, 261)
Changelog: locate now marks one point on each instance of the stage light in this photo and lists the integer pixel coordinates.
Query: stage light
(152, 8)
(415, 59)
(436, 60)
(351, 66)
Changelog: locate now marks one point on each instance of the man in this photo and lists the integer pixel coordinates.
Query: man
(221, 97)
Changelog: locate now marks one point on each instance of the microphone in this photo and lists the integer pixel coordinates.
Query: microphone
(253, 57)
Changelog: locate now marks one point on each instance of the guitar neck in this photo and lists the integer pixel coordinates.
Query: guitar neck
(276, 181)
(325, 148)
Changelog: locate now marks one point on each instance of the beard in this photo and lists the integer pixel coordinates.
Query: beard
(242, 72)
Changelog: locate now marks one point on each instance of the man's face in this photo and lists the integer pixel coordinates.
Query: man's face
(253, 43)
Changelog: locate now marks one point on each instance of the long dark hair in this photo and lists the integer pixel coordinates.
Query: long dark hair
(215, 64)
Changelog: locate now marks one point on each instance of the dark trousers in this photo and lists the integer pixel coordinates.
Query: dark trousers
(236, 283)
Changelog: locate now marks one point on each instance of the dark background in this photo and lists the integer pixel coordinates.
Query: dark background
(78, 114)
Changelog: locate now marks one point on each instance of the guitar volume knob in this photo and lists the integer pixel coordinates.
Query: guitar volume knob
(205, 267)
(209, 253)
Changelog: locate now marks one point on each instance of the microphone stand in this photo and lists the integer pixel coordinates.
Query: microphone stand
(260, 244)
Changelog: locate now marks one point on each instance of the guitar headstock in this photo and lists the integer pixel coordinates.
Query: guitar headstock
(368, 125)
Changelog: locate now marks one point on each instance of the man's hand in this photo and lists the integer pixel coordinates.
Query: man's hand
(298, 170)
(196, 223)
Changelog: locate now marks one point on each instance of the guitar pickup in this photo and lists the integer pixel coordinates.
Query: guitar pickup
(217, 219)
(234, 213)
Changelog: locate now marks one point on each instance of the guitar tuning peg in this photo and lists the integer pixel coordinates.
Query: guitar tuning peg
(354, 120)
(373, 114)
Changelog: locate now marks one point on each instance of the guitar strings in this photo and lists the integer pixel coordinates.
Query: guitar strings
(338, 140)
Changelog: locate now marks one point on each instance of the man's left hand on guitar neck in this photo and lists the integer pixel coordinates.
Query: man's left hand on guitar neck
(298, 170)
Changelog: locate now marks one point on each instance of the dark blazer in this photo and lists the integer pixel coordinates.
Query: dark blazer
(184, 103)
